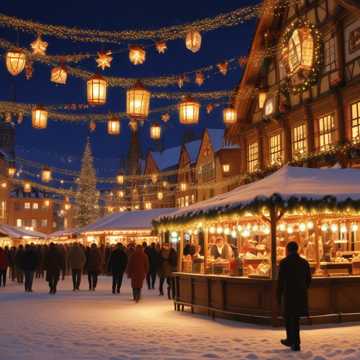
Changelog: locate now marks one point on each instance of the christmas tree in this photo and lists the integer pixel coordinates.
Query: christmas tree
(87, 198)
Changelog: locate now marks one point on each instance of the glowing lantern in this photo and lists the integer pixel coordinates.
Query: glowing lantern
(11, 170)
(154, 178)
(39, 117)
(120, 178)
(189, 110)
(47, 203)
(113, 126)
(67, 207)
(59, 75)
(96, 90)
(137, 55)
(262, 99)
(160, 195)
(226, 168)
(27, 187)
(183, 186)
(4, 185)
(15, 61)
(120, 194)
(155, 131)
(46, 175)
(229, 116)
(92, 126)
(138, 102)
(148, 205)
(193, 41)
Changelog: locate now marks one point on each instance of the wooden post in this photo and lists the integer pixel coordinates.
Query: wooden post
(317, 250)
(274, 306)
(206, 248)
(181, 251)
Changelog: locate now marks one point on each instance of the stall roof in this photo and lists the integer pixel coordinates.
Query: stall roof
(20, 233)
(288, 182)
(130, 220)
(62, 233)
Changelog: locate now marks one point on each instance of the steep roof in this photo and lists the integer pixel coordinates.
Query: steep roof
(216, 138)
(20, 233)
(168, 158)
(193, 149)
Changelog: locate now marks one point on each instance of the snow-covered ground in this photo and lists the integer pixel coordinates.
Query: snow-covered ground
(99, 325)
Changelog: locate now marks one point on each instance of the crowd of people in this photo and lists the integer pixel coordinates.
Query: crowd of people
(54, 261)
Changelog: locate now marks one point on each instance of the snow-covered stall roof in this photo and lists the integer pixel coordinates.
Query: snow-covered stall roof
(63, 233)
(288, 182)
(128, 220)
(20, 233)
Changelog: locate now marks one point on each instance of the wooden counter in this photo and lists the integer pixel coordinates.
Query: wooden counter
(331, 299)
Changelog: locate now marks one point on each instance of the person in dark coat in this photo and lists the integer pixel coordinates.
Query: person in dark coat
(3, 267)
(138, 267)
(93, 266)
(292, 293)
(54, 263)
(117, 265)
(76, 261)
(29, 263)
(18, 269)
(153, 256)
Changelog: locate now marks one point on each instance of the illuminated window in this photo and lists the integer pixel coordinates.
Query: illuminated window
(35, 206)
(187, 200)
(275, 149)
(330, 60)
(27, 205)
(44, 223)
(299, 147)
(33, 223)
(208, 171)
(253, 157)
(18, 222)
(326, 132)
(355, 122)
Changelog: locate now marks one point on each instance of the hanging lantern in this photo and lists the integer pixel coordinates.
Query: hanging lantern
(137, 102)
(15, 61)
(46, 175)
(96, 90)
(67, 207)
(199, 78)
(209, 108)
(223, 67)
(183, 186)
(121, 194)
(20, 118)
(120, 178)
(189, 110)
(8, 117)
(137, 55)
(262, 98)
(155, 131)
(113, 125)
(160, 195)
(226, 168)
(27, 187)
(161, 47)
(47, 203)
(39, 117)
(92, 125)
(193, 41)
(59, 75)
(11, 170)
(154, 178)
(229, 116)
(133, 125)
(181, 81)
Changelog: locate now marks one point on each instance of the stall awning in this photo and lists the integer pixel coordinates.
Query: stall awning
(63, 233)
(130, 220)
(288, 184)
(20, 233)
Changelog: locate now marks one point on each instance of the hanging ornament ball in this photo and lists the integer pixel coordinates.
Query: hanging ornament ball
(15, 61)
(193, 41)
(223, 67)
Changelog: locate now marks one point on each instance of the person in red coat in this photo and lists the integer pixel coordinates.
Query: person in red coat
(138, 267)
(3, 266)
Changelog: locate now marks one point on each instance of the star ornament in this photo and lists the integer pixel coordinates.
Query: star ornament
(161, 47)
(104, 59)
(39, 46)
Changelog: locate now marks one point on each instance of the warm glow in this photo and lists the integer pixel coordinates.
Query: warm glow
(47, 203)
(113, 126)
(229, 116)
(15, 62)
(4, 185)
(137, 55)
(120, 178)
(189, 110)
(120, 194)
(46, 175)
(67, 207)
(96, 90)
(160, 195)
(59, 75)
(154, 178)
(27, 187)
(137, 102)
(183, 186)
(11, 170)
(148, 205)
(155, 131)
(193, 41)
(39, 118)
(262, 99)
(226, 168)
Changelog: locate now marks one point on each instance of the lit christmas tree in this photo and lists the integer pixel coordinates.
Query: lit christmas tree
(87, 198)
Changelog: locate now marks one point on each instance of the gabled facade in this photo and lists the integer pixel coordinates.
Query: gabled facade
(307, 103)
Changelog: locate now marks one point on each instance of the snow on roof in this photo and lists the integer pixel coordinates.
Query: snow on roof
(20, 233)
(168, 158)
(128, 220)
(216, 138)
(193, 148)
(63, 233)
(312, 184)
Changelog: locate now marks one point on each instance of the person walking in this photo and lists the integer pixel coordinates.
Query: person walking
(18, 260)
(29, 263)
(76, 259)
(3, 267)
(54, 264)
(292, 293)
(165, 268)
(93, 265)
(153, 256)
(117, 265)
(138, 267)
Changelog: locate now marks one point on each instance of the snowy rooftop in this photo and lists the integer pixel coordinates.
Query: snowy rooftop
(312, 184)
(216, 138)
(63, 233)
(168, 158)
(128, 220)
(193, 148)
(19, 233)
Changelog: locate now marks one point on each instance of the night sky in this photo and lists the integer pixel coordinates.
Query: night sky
(61, 144)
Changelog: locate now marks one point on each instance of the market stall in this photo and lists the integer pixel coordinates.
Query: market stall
(230, 245)
(15, 236)
(64, 236)
(126, 227)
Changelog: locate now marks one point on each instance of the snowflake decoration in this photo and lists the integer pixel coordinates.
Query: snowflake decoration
(161, 47)
(165, 117)
(39, 46)
(223, 67)
(199, 78)
(104, 59)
